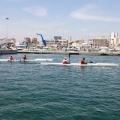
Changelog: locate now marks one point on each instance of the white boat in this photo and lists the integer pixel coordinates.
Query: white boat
(7, 60)
(44, 60)
(32, 60)
(89, 64)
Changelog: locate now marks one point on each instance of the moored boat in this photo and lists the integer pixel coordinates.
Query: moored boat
(8, 51)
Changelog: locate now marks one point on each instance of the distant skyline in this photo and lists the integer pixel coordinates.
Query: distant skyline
(78, 19)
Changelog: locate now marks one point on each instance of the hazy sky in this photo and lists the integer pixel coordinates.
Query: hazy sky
(69, 18)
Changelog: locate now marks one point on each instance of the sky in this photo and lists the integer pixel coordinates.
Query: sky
(75, 19)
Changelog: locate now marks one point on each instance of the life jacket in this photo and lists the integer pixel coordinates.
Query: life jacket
(24, 57)
(11, 58)
(83, 62)
(65, 62)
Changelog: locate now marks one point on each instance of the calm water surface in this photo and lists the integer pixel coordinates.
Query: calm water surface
(39, 92)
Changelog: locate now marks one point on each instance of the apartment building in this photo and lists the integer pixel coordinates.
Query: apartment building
(99, 42)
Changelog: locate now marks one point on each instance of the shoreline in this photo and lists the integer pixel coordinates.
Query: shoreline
(71, 52)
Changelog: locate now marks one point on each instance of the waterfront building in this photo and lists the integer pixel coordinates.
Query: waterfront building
(57, 38)
(27, 39)
(99, 42)
(34, 41)
(77, 44)
(113, 35)
(114, 40)
(61, 43)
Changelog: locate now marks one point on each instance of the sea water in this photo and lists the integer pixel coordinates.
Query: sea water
(31, 91)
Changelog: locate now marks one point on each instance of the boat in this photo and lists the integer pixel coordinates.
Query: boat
(44, 60)
(85, 65)
(8, 51)
(32, 60)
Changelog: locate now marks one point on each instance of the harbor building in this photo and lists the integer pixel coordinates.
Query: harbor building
(114, 40)
(99, 42)
(61, 43)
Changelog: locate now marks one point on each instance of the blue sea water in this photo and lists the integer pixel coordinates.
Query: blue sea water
(38, 92)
